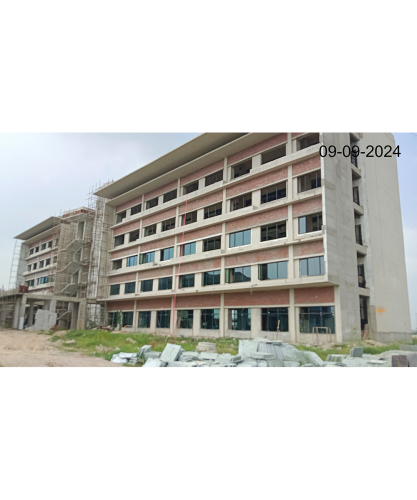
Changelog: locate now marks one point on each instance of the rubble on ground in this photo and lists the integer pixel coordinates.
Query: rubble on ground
(259, 353)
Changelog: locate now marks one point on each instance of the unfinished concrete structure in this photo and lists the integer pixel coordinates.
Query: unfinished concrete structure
(256, 235)
(56, 270)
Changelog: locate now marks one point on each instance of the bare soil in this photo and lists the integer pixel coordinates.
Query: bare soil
(30, 349)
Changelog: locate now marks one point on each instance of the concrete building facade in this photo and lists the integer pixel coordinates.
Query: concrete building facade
(246, 235)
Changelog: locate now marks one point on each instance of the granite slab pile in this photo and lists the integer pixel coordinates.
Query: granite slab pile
(261, 353)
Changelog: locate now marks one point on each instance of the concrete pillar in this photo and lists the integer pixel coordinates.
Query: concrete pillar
(290, 193)
(31, 309)
(292, 321)
(81, 314)
(222, 319)
(256, 161)
(22, 312)
(255, 323)
(291, 262)
(16, 312)
(256, 198)
(153, 321)
(290, 225)
(224, 238)
(196, 322)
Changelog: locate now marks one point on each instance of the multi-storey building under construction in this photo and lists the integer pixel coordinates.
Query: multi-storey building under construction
(256, 234)
(56, 268)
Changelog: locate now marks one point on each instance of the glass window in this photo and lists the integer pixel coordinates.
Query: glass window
(309, 181)
(119, 240)
(132, 261)
(211, 278)
(117, 264)
(242, 169)
(35, 265)
(36, 249)
(50, 244)
(47, 262)
(318, 319)
(272, 193)
(31, 251)
(210, 319)
(150, 230)
(190, 188)
(215, 177)
(145, 258)
(189, 218)
(136, 209)
(310, 140)
(240, 238)
(163, 319)
(213, 211)
(170, 196)
(152, 203)
(273, 154)
(310, 223)
(275, 319)
(127, 319)
(238, 274)
(274, 231)
(120, 216)
(165, 283)
(144, 319)
(114, 289)
(314, 266)
(168, 224)
(188, 248)
(167, 253)
(239, 319)
(242, 201)
(134, 235)
(185, 319)
(43, 246)
(146, 286)
(113, 319)
(29, 267)
(187, 281)
(212, 244)
(41, 264)
(130, 287)
(273, 271)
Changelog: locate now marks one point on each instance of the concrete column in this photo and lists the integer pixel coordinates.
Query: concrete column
(291, 262)
(338, 315)
(225, 178)
(200, 215)
(199, 246)
(224, 238)
(222, 272)
(30, 316)
(256, 325)
(290, 225)
(223, 318)
(256, 161)
(153, 321)
(292, 323)
(202, 183)
(254, 275)
(196, 322)
(256, 198)
(198, 280)
(172, 324)
(22, 312)
(158, 227)
(290, 193)
(16, 312)
(289, 143)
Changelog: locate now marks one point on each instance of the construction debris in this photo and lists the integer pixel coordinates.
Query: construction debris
(206, 347)
(261, 353)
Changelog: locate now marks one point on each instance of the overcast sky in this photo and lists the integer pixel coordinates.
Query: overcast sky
(44, 174)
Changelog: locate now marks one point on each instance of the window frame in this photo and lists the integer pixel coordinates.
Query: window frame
(146, 230)
(165, 283)
(267, 197)
(306, 263)
(144, 284)
(230, 275)
(244, 233)
(129, 286)
(147, 315)
(213, 178)
(132, 261)
(162, 254)
(192, 245)
(150, 203)
(320, 217)
(246, 200)
(163, 315)
(215, 207)
(167, 224)
(182, 276)
(114, 287)
(279, 270)
(214, 273)
(269, 227)
(210, 317)
(208, 240)
(193, 215)
(143, 257)
(168, 196)
(136, 209)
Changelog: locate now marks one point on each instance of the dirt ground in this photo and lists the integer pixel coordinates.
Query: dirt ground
(23, 348)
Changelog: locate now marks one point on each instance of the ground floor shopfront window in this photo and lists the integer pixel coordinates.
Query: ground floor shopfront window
(275, 319)
(317, 319)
